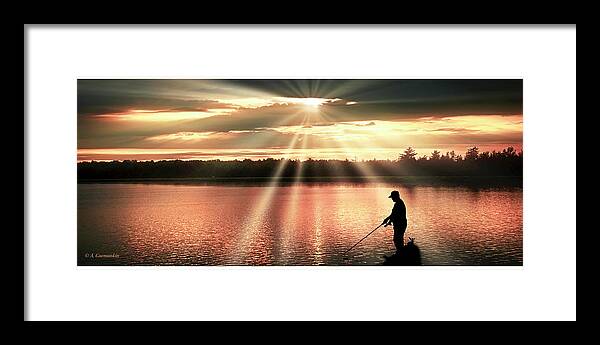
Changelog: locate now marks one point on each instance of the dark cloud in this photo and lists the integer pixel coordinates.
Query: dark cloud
(411, 110)
(321, 124)
(94, 131)
(405, 96)
(256, 139)
(374, 96)
(359, 124)
(114, 104)
(454, 130)
(176, 155)
(96, 97)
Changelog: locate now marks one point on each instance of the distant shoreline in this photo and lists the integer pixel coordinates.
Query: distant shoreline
(516, 181)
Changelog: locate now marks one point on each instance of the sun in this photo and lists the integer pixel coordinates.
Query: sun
(313, 102)
(309, 102)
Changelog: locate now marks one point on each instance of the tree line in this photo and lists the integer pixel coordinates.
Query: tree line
(507, 162)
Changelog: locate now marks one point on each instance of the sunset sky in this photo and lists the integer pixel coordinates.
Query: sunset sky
(321, 119)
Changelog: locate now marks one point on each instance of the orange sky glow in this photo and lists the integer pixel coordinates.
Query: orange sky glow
(211, 119)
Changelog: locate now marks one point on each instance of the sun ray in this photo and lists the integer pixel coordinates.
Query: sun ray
(348, 148)
(291, 208)
(348, 88)
(289, 225)
(252, 225)
(317, 87)
(318, 222)
(267, 141)
(294, 87)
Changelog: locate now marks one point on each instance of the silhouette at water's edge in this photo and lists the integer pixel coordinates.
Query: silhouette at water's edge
(408, 255)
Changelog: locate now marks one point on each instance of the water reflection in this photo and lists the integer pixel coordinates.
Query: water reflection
(302, 223)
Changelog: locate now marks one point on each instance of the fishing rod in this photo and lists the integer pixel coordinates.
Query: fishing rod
(344, 253)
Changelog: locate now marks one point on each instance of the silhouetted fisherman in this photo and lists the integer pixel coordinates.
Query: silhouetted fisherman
(398, 218)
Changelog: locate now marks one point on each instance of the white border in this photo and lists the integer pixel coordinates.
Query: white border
(543, 289)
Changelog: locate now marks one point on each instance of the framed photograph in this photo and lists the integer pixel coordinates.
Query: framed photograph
(300, 172)
(218, 170)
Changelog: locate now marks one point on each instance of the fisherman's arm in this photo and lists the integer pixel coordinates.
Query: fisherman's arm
(387, 221)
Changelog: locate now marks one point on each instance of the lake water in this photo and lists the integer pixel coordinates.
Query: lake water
(294, 224)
